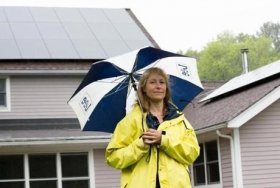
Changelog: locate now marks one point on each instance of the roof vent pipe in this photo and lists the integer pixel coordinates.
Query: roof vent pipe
(244, 52)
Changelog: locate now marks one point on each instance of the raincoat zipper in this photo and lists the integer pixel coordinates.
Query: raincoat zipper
(157, 175)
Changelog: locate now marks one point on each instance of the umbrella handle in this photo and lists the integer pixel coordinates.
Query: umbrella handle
(135, 89)
(133, 82)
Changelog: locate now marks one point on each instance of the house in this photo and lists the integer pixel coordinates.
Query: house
(238, 127)
(44, 55)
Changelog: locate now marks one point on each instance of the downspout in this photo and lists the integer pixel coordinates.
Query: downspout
(232, 156)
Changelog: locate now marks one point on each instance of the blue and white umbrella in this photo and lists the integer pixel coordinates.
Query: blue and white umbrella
(106, 94)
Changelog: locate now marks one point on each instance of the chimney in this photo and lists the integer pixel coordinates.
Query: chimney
(245, 52)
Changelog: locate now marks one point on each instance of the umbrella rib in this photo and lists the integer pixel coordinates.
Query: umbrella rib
(128, 92)
(123, 83)
(117, 90)
(113, 81)
(120, 87)
(119, 69)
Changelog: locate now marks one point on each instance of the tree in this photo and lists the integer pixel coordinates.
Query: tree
(191, 53)
(222, 60)
(271, 30)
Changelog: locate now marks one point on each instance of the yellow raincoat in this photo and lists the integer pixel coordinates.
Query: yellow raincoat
(140, 164)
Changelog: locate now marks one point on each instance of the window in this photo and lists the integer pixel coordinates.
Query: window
(74, 166)
(11, 171)
(3, 93)
(42, 171)
(206, 166)
(62, 170)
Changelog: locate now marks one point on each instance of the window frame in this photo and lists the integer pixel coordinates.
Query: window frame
(7, 106)
(58, 161)
(205, 164)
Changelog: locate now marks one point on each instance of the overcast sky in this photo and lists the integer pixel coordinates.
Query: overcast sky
(182, 24)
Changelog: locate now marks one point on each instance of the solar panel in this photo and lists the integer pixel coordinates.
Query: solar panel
(52, 30)
(244, 80)
(61, 49)
(3, 17)
(89, 48)
(44, 15)
(5, 31)
(9, 49)
(94, 15)
(18, 14)
(32, 49)
(69, 15)
(25, 30)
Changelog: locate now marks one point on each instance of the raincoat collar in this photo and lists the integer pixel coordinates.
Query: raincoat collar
(172, 113)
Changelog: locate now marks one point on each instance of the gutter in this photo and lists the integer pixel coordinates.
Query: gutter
(211, 128)
(54, 140)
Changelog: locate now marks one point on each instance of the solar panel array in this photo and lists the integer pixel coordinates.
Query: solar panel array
(245, 80)
(67, 33)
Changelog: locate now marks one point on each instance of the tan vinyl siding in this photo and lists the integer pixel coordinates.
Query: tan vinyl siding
(41, 97)
(226, 163)
(260, 149)
(105, 176)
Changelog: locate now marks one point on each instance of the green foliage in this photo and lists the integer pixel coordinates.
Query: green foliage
(222, 60)
(219, 60)
(192, 53)
(271, 30)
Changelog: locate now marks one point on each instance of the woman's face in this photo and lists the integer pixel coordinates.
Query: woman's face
(155, 87)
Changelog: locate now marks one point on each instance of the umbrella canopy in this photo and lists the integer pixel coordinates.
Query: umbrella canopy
(106, 94)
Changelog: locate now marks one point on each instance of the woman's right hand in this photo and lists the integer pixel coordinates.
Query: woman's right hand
(152, 137)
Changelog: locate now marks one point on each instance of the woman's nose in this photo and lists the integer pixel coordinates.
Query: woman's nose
(158, 84)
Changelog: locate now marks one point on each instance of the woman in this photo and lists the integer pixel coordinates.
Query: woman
(154, 143)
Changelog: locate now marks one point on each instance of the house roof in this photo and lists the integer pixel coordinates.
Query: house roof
(47, 131)
(45, 67)
(219, 111)
(69, 33)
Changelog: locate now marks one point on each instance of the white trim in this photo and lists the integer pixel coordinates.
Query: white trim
(238, 168)
(58, 170)
(53, 147)
(218, 185)
(91, 169)
(209, 129)
(26, 171)
(205, 163)
(256, 108)
(54, 140)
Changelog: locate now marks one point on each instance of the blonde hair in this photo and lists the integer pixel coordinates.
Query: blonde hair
(143, 98)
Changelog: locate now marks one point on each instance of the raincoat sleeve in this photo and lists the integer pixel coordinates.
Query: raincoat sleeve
(182, 147)
(126, 147)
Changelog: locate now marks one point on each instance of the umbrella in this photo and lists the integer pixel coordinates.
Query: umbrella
(106, 93)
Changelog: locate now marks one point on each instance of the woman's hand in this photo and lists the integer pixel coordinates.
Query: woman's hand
(152, 137)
